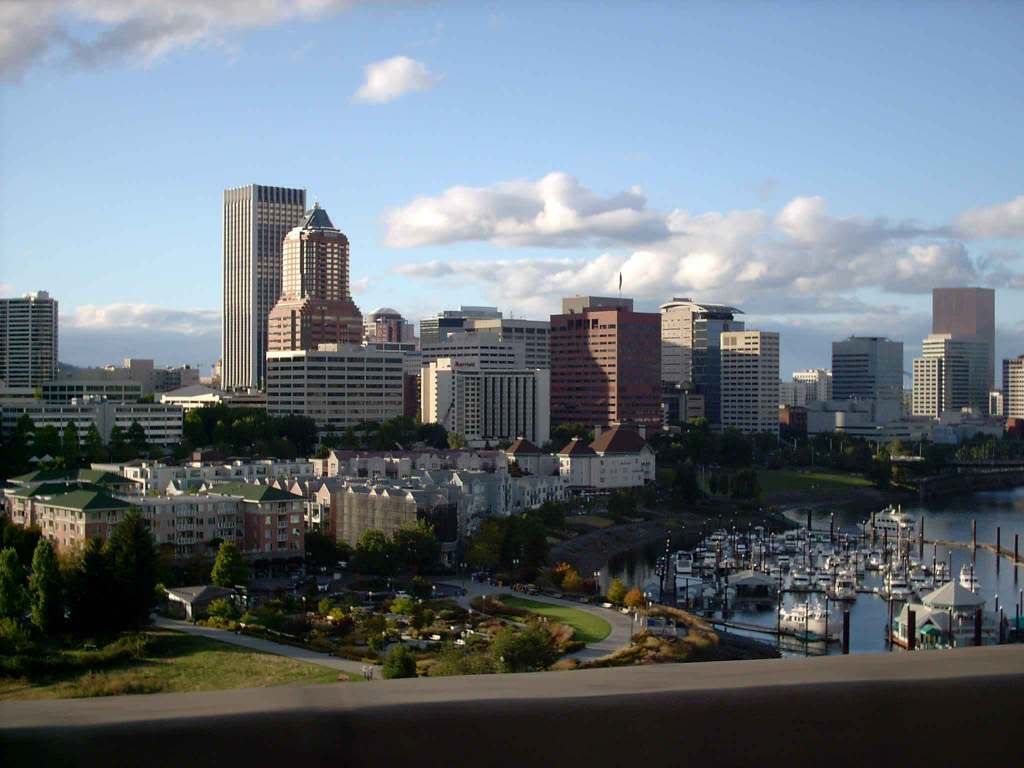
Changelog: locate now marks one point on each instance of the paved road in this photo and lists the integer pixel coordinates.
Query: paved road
(265, 646)
(621, 624)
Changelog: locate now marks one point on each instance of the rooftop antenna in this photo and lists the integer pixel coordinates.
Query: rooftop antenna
(620, 285)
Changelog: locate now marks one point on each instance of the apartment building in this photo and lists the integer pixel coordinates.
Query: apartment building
(28, 340)
(750, 381)
(162, 423)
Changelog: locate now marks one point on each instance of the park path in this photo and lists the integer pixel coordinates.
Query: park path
(621, 624)
(264, 646)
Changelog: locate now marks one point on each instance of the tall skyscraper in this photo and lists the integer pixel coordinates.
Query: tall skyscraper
(605, 363)
(690, 352)
(1013, 387)
(750, 381)
(316, 306)
(950, 375)
(387, 326)
(867, 368)
(28, 340)
(818, 383)
(256, 220)
(968, 313)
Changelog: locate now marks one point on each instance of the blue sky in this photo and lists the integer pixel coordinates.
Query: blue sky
(821, 165)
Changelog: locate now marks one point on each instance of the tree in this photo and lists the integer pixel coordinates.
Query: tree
(45, 589)
(321, 549)
(485, 547)
(90, 586)
(117, 444)
(572, 582)
(136, 436)
(530, 650)
(434, 435)
(403, 605)
(621, 504)
(23, 541)
(455, 440)
(373, 554)
(93, 449)
(69, 446)
(13, 595)
(229, 568)
(133, 562)
(616, 592)
(47, 442)
(223, 609)
(399, 663)
(745, 485)
(416, 547)
(634, 598)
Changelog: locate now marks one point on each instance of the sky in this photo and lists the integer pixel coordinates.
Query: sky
(822, 166)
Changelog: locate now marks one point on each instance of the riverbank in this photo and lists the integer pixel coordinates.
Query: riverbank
(940, 486)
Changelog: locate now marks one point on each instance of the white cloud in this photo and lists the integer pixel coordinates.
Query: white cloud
(1002, 220)
(800, 259)
(388, 79)
(555, 210)
(6, 290)
(144, 317)
(139, 30)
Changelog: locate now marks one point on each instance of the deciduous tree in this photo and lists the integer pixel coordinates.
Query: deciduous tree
(616, 592)
(229, 568)
(13, 595)
(45, 589)
(399, 663)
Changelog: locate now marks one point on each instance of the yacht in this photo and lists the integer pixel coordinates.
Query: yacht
(891, 522)
(684, 564)
(845, 587)
(941, 572)
(799, 579)
(809, 621)
(968, 578)
(823, 582)
(897, 587)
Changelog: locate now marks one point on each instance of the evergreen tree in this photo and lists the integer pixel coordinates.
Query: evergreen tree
(69, 446)
(45, 589)
(229, 568)
(137, 437)
(90, 586)
(13, 595)
(93, 449)
(133, 563)
(117, 444)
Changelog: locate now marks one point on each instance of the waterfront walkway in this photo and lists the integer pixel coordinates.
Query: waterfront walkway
(264, 646)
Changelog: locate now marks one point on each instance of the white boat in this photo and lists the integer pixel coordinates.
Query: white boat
(891, 522)
(684, 564)
(799, 579)
(809, 621)
(896, 587)
(823, 582)
(968, 578)
(845, 587)
(941, 572)
(783, 561)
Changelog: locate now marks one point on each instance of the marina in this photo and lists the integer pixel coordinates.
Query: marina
(877, 573)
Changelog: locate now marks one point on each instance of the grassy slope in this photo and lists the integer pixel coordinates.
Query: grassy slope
(786, 481)
(588, 627)
(174, 663)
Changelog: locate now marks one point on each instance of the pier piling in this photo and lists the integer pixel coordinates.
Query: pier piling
(846, 631)
(974, 538)
(911, 630)
(999, 549)
(977, 626)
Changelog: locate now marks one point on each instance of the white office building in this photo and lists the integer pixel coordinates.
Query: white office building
(336, 385)
(485, 405)
(28, 340)
(750, 381)
(951, 375)
(162, 423)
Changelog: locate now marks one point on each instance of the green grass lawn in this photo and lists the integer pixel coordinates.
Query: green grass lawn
(172, 663)
(788, 481)
(589, 521)
(588, 627)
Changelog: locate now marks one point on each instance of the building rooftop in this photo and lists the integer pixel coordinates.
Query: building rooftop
(522, 447)
(618, 440)
(576, 447)
(317, 218)
(88, 500)
(253, 492)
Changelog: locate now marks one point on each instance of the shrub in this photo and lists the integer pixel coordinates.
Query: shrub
(222, 609)
(14, 638)
(399, 663)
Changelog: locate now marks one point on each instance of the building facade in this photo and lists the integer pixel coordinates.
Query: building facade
(951, 375)
(750, 381)
(867, 368)
(435, 329)
(1013, 387)
(161, 423)
(690, 352)
(618, 457)
(338, 385)
(387, 326)
(532, 336)
(605, 363)
(256, 220)
(316, 304)
(28, 340)
(486, 406)
(968, 313)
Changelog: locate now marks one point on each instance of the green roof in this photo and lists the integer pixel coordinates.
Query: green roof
(87, 500)
(97, 476)
(56, 489)
(931, 629)
(253, 492)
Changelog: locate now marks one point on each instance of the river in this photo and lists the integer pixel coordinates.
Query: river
(950, 520)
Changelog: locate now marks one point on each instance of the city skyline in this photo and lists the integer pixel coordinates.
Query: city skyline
(741, 202)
